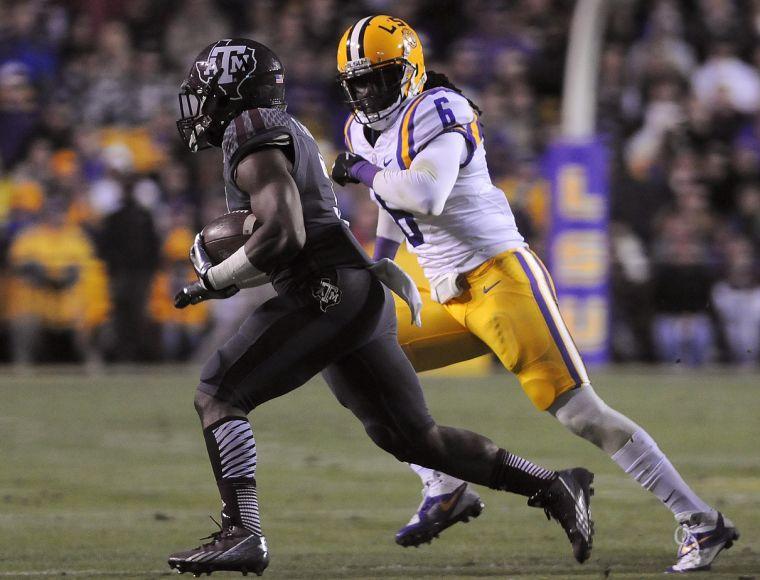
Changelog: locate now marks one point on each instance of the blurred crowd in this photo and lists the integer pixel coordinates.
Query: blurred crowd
(99, 203)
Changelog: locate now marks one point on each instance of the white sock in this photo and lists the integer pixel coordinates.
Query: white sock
(642, 459)
(437, 482)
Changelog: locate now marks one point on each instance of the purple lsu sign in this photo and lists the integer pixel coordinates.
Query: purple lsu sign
(578, 246)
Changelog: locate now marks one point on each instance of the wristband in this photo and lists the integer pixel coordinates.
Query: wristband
(235, 269)
(365, 172)
(385, 248)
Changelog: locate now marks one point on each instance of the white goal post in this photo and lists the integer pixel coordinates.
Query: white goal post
(582, 68)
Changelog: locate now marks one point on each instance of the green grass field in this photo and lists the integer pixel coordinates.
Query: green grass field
(104, 476)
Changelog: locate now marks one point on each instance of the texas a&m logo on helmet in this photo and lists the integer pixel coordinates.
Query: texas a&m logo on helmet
(231, 63)
(226, 78)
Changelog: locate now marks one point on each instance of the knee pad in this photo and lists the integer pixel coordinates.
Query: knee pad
(588, 416)
(199, 402)
(210, 408)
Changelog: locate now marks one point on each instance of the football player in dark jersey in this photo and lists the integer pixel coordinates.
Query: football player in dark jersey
(333, 314)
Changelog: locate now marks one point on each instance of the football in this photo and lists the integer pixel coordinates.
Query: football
(225, 234)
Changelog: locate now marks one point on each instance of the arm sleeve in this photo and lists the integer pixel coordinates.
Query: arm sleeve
(253, 130)
(389, 237)
(387, 227)
(427, 184)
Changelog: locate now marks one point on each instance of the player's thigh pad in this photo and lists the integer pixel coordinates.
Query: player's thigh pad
(441, 341)
(290, 338)
(511, 306)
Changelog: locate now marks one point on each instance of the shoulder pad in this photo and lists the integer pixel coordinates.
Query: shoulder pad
(348, 133)
(436, 111)
(256, 128)
(354, 139)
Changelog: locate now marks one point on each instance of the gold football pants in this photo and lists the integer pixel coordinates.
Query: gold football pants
(509, 308)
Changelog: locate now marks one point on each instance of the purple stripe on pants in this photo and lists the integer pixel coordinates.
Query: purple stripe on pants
(549, 319)
(546, 275)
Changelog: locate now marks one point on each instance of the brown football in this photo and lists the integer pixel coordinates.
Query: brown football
(225, 234)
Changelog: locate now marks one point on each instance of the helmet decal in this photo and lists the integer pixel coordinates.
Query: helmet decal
(236, 63)
(409, 40)
(226, 78)
(380, 66)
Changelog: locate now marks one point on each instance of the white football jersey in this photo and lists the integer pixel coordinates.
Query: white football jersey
(477, 222)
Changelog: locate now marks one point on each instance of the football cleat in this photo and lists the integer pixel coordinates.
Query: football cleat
(568, 501)
(700, 539)
(438, 512)
(232, 549)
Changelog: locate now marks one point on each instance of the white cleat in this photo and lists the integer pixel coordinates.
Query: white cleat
(700, 540)
(439, 512)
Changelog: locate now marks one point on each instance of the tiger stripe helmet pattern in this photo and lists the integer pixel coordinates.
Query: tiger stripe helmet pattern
(380, 66)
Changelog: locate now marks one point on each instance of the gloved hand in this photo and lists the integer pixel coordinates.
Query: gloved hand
(390, 274)
(202, 289)
(201, 262)
(196, 292)
(353, 168)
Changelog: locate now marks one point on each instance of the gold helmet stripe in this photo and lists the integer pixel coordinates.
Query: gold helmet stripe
(355, 48)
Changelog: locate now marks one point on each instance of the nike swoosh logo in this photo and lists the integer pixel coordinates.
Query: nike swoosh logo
(448, 505)
(386, 163)
(487, 289)
(687, 548)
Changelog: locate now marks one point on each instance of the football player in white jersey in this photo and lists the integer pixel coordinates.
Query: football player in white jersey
(416, 142)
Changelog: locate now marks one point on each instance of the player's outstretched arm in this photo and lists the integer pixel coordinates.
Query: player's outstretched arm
(427, 184)
(423, 188)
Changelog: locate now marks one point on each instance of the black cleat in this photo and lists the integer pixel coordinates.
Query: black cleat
(568, 500)
(232, 549)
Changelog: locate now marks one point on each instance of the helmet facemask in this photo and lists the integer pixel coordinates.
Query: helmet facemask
(201, 110)
(376, 92)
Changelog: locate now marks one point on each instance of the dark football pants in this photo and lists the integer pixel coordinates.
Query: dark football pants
(289, 339)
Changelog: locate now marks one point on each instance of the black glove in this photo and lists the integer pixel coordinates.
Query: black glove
(197, 292)
(342, 168)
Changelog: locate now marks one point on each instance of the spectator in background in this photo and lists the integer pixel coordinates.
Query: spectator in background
(107, 192)
(87, 103)
(130, 247)
(631, 285)
(25, 201)
(662, 46)
(109, 97)
(198, 23)
(736, 299)
(682, 279)
(28, 39)
(55, 287)
(154, 90)
(181, 330)
(663, 114)
(747, 218)
(724, 77)
(19, 113)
